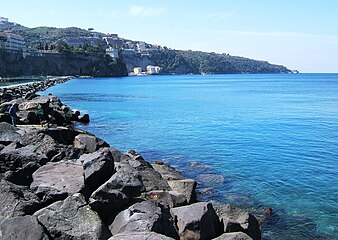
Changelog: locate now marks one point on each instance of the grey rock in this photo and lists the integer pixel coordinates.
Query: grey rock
(72, 219)
(16, 200)
(196, 221)
(127, 179)
(56, 181)
(200, 166)
(143, 217)
(89, 142)
(119, 156)
(233, 236)
(152, 180)
(186, 187)
(98, 167)
(12, 158)
(8, 133)
(22, 176)
(139, 236)
(167, 172)
(233, 218)
(166, 198)
(108, 202)
(25, 227)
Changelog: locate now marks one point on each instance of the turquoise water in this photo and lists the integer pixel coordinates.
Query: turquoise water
(274, 138)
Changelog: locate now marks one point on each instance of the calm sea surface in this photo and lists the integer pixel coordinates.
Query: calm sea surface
(274, 138)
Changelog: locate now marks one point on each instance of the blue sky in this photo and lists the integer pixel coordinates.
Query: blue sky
(300, 34)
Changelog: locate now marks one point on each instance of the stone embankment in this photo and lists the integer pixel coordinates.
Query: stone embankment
(60, 182)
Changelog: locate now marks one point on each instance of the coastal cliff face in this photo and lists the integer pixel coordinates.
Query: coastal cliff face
(13, 64)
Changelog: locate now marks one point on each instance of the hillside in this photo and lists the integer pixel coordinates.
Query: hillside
(171, 61)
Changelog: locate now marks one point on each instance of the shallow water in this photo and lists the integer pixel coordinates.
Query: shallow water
(274, 138)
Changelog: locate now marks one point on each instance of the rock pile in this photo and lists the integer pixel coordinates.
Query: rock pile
(64, 183)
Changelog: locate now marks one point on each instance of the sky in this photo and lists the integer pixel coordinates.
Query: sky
(299, 34)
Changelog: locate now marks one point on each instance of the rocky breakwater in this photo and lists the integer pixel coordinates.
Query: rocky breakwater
(60, 182)
(33, 109)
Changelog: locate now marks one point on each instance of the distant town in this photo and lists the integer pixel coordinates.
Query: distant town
(114, 46)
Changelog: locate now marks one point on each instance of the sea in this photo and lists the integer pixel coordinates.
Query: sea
(254, 141)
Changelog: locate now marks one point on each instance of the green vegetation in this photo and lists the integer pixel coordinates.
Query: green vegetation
(177, 61)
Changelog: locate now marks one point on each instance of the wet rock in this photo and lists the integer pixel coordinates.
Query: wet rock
(56, 181)
(166, 198)
(233, 236)
(25, 227)
(211, 179)
(143, 217)
(167, 172)
(16, 200)
(98, 167)
(22, 176)
(6, 118)
(236, 219)
(196, 221)
(186, 187)
(139, 236)
(84, 118)
(72, 219)
(8, 133)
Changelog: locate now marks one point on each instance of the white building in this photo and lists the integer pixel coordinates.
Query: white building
(137, 70)
(141, 46)
(12, 42)
(113, 52)
(153, 69)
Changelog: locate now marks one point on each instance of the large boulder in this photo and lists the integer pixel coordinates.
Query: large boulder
(56, 181)
(72, 219)
(16, 200)
(89, 142)
(25, 227)
(15, 156)
(167, 172)
(22, 176)
(127, 179)
(236, 219)
(8, 133)
(119, 156)
(196, 221)
(139, 236)
(98, 167)
(108, 202)
(143, 217)
(233, 236)
(166, 198)
(186, 187)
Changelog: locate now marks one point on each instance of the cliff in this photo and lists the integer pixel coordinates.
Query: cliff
(14, 64)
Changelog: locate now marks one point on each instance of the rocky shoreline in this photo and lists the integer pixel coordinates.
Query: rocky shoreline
(60, 182)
